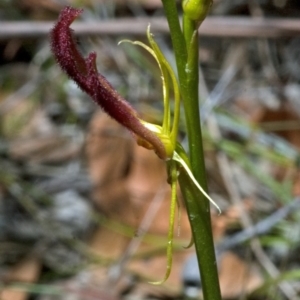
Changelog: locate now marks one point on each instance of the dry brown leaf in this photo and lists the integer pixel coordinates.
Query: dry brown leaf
(127, 178)
(296, 184)
(237, 277)
(108, 150)
(38, 4)
(44, 149)
(32, 136)
(282, 121)
(16, 116)
(127, 197)
(227, 219)
(151, 4)
(108, 243)
(39, 9)
(26, 271)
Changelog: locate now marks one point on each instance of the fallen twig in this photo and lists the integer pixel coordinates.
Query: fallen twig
(242, 27)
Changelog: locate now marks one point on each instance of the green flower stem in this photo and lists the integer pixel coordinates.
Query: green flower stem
(199, 216)
(185, 46)
(188, 28)
(178, 41)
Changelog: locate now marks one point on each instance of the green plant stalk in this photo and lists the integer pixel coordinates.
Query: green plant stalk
(199, 217)
(185, 47)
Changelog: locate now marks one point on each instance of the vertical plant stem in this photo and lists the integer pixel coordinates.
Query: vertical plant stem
(185, 45)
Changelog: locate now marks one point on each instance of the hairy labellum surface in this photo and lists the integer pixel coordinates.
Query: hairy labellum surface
(84, 72)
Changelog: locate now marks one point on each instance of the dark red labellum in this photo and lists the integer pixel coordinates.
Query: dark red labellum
(84, 72)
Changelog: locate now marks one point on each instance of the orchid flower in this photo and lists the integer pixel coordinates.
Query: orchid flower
(162, 139)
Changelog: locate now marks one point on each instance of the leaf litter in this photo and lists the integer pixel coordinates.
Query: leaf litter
(49, 146)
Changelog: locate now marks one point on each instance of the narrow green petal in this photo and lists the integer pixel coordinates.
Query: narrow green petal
(177, 158)
(164, 62)
(173, 177)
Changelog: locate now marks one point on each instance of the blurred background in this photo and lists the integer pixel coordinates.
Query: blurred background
(84, 211)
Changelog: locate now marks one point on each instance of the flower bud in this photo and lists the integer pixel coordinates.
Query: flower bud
(196, 10)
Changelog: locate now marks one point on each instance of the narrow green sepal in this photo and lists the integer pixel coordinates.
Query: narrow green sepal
(181, 158)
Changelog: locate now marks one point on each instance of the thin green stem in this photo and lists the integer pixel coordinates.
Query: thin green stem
(178, 41)
(186, 46)
(199, 216)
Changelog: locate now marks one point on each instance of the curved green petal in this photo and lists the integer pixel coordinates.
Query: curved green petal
(182, 162)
